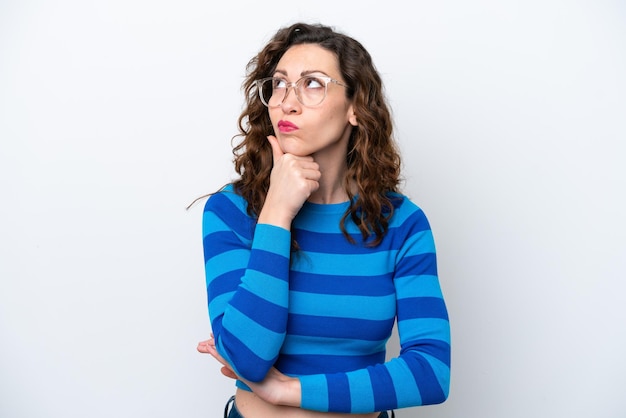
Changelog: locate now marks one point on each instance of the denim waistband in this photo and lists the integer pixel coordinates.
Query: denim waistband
(231, 411)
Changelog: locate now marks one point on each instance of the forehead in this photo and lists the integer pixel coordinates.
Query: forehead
(300, 59)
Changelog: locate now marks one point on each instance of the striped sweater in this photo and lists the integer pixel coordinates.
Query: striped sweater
(325, 312)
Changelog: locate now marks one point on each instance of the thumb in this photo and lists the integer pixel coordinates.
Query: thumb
(277, 151)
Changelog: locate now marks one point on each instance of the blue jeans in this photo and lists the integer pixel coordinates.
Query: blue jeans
(234, 412)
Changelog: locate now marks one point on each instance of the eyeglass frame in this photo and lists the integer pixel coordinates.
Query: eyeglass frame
(294, 85)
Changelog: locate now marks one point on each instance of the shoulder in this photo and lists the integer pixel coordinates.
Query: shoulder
(227, 210)
(226, 200)
(407, 212)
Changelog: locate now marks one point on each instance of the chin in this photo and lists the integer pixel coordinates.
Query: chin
(299, 153)
(292, 147)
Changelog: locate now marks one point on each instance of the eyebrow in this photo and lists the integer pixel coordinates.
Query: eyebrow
(303, 73)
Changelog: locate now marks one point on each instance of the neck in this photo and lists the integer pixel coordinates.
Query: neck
(332, 185)
(333, 166)
(329, 195)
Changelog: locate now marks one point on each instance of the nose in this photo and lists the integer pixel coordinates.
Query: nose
(290, 103)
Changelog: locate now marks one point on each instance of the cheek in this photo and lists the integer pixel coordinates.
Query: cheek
(274, 118)
(336, 120)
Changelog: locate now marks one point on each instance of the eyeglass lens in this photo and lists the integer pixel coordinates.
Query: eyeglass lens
(310, 91)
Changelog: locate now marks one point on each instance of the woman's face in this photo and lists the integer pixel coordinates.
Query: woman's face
(320, 130)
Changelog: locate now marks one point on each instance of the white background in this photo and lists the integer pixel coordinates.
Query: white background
(114, 115)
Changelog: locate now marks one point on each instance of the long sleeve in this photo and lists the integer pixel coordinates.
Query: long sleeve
(247, 278)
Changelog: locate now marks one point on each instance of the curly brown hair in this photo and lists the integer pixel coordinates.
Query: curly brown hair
(373, 159)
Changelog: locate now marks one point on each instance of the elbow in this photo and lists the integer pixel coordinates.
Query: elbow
(442, 397)
(247, 365)
(433, 382)
(441, 392)
(435, 396)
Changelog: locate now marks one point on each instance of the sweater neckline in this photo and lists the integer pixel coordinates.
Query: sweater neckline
(326, 207)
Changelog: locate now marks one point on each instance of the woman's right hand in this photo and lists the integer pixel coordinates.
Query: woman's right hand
(292, 181)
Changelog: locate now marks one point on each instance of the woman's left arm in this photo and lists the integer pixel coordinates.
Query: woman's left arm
(420, 374)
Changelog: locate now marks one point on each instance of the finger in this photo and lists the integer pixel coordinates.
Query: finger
(213, 351)
(308, 163)
(204, 349)
(314, 185)
(228, 372)
(202, 346)
(311, 174)
(277, 151)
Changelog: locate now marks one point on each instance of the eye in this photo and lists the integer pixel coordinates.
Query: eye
(279, 83)
(312, 83)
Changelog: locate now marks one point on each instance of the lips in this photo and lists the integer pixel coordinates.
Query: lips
(285, 126)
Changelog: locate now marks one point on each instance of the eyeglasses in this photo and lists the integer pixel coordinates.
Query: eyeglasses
(310, 90)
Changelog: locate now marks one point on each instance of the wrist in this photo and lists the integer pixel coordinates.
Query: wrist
(275, 217)
(293, 393)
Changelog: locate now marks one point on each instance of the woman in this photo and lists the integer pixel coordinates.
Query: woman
(313, 252)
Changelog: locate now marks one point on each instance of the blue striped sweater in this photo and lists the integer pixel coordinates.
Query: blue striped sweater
(325, 312)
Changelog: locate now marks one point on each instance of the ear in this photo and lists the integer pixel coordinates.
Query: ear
(352, 116)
